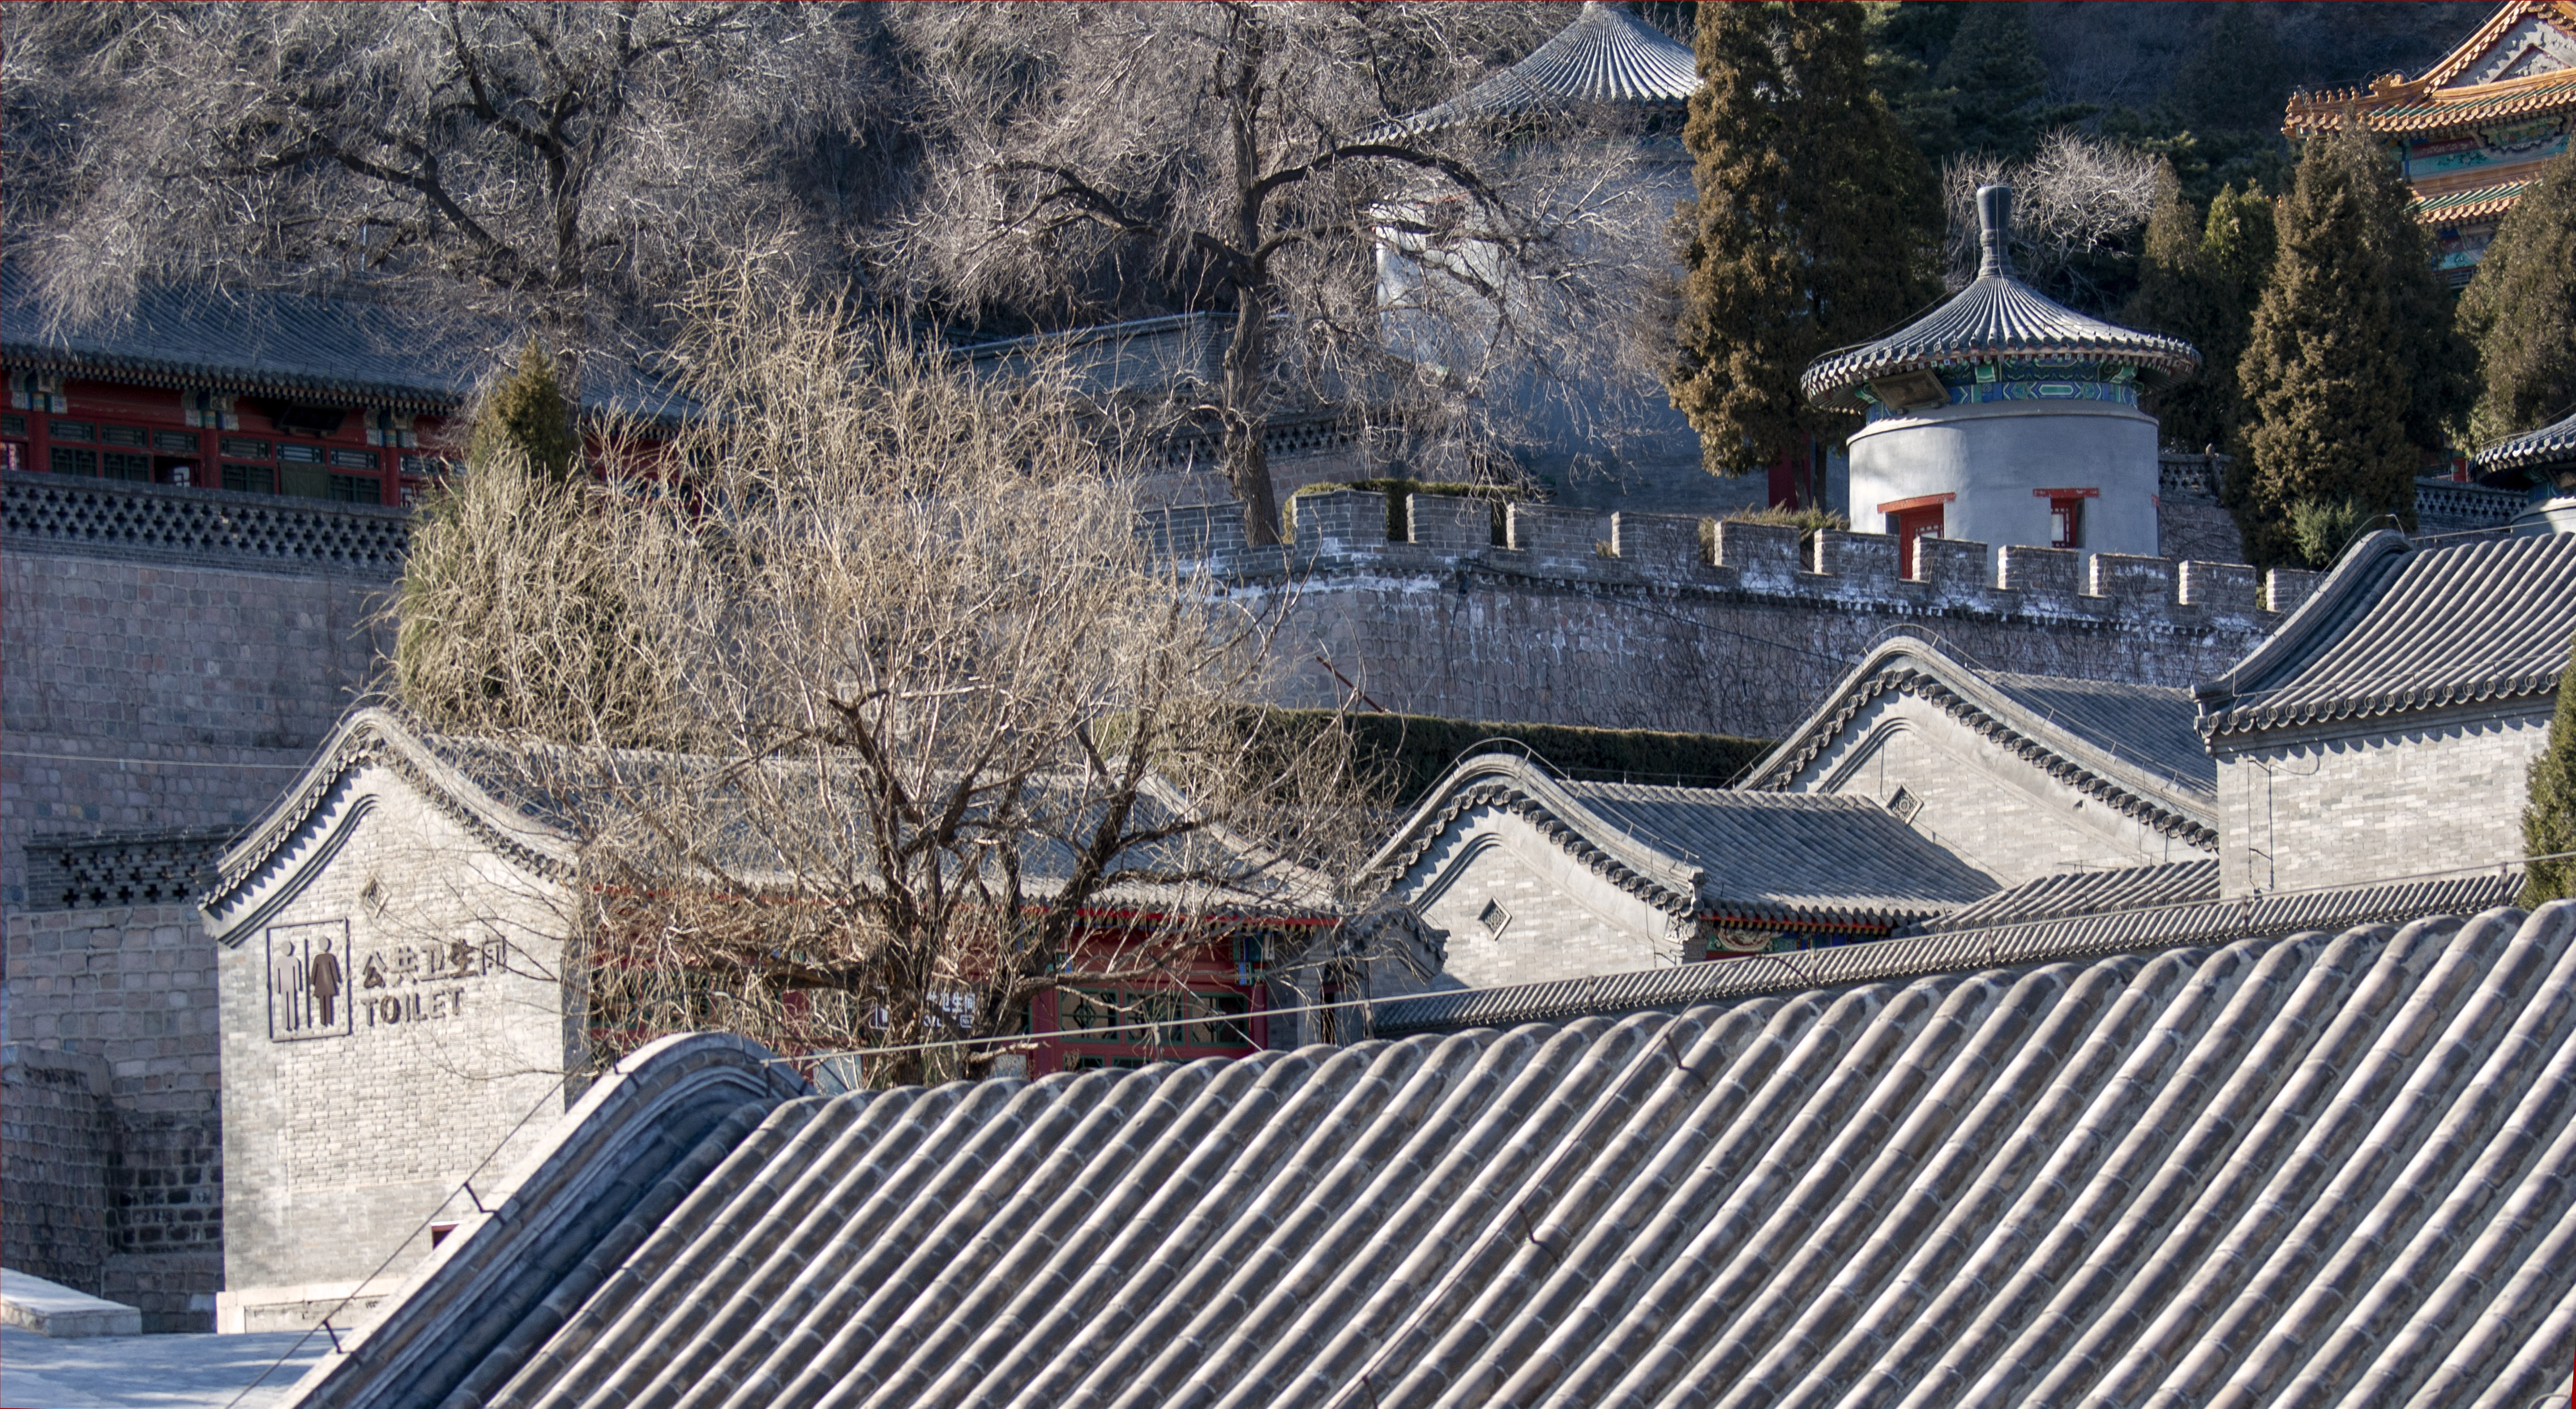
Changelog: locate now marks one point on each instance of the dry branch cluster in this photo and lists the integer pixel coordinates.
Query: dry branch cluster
(878, 718)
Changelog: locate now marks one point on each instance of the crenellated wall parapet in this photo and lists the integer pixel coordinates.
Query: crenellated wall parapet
(1344, 535)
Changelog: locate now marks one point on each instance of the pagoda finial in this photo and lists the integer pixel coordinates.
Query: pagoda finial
(1994, 231)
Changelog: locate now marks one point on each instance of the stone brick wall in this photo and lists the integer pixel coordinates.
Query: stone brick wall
(162, 678)
(130, 989)
(2362, 807)
(57, 1142)
(1649, 630)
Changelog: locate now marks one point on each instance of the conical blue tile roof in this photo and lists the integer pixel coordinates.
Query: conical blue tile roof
(1606, 56)
(1997, 316)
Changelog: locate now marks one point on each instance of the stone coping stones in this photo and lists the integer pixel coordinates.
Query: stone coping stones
(51, 1309)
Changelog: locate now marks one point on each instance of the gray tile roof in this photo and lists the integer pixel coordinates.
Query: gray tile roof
(2086, 934)
(2074, 893)
(1751, 856)
(2317, 1169)
(2132, 746)
(2402, 628)
(1607, 55)
(2522, 459)
(1996, 316)
(344, 348)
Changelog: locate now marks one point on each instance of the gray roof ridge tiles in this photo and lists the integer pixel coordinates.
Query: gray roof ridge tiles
(2006, 707)
(2142, 928)
(1639, 837)
(504, 809)
(1996, 315)
(1606, 55)
(2408, 628)
(2067, 894)
(2552, 446)
(2329, 1167)
(1659, 879)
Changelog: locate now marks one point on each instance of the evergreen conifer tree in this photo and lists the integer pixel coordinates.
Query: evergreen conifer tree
(2199, 280)
(2235, 82)
(2326, 391)
(508, 608)
(2549, 814)
(1994, 79)
(2521, 310)
(527, 412)
(1811, 226)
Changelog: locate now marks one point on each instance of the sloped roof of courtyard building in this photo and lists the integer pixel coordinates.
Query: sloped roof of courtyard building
(1606, 56)
(1749, 857)
(2131, 746)
(1996, 317)
(2317, 1168)
(345, 346)
(2402, 628)
(528, 804)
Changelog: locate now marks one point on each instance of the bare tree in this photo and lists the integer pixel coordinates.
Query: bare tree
(924, 729)
(2078, 197)
(532, 157)
(1243, 156)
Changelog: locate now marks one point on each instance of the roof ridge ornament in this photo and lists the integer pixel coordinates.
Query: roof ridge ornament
(1994, 232)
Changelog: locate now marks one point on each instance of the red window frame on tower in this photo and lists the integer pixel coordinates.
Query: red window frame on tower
(2066, 514)
(1924, 516)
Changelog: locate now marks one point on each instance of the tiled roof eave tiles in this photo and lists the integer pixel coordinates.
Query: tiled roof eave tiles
(2396, 115)
(2551, 446)
(247, 377)
(1996, 318)
(2318, 1167)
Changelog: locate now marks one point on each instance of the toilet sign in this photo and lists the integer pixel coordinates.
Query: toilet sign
(309, 981)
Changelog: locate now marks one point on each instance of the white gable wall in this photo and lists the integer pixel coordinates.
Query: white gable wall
(341, 1140)
(1998, 812)
(2365, 808)
(1567, 921)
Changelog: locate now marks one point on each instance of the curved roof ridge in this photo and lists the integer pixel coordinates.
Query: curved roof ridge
(372, 734)
(1607, 55)
(1996, 315)
(2549, 446)
(1520, 773)
(2186, 809)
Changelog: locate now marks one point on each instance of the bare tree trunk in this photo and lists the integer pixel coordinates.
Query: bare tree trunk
(1247, 460)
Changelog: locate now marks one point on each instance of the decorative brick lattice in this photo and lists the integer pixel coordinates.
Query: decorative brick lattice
(2452, 507)
(146, 868)
(209, 528)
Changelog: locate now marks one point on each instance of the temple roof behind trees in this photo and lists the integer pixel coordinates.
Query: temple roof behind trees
(1606, 56)
(1996, 317)
(329, 347)
(2403, 628)
(2506, 71)
(2534, 454)
(2329, 1169)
